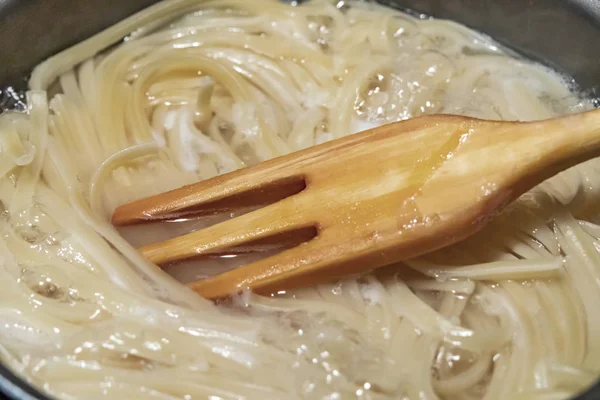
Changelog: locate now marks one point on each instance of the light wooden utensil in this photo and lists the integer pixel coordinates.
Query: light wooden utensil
(366, 200)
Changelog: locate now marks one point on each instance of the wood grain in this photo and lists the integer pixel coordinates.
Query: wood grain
(377, 197)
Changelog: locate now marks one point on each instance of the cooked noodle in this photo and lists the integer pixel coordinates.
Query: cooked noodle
(201, 88)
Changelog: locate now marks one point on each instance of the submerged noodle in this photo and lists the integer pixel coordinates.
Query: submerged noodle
(190, 89)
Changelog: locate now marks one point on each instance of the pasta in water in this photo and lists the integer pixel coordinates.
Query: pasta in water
(190, 89)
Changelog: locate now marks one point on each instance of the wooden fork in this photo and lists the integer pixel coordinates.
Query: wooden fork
(366, 200)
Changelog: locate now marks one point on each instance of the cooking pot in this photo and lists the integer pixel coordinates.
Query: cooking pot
(563, 34)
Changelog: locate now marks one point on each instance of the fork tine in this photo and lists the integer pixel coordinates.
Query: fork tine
(220, 194)
(285, 217)
(323, 259)
(268, 275)
(319, 260)
(275, 180)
